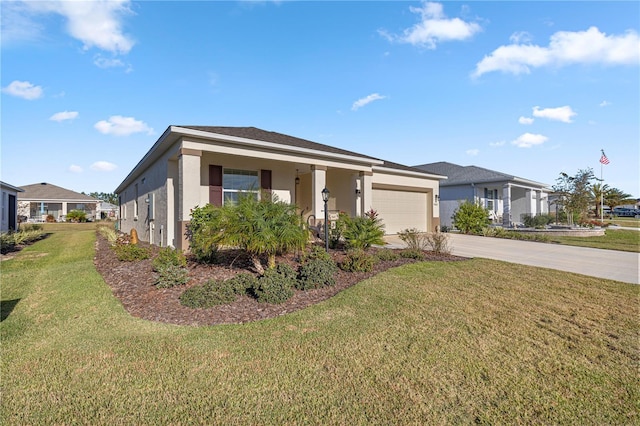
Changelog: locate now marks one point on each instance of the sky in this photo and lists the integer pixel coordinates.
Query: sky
(532, 89)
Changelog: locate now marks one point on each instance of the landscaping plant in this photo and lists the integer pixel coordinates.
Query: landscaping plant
(414, 239)
(470, 217)
(363, 231)
(76, 216)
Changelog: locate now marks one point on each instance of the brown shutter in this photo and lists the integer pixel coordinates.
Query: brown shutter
(215, 185)
(265, 180)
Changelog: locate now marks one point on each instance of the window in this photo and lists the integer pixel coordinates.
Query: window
(135, 203)
(490, 195)
(236, 181)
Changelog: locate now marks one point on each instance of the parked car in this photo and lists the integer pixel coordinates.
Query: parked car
(625, 212)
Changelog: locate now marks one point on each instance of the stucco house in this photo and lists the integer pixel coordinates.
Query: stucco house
(191, 166)
(40, 200)
(9, 207)
(508, 198)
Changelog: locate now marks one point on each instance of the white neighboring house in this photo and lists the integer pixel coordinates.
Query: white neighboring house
(191, 166)
(106, 211)
(9, 207)
(40, 200)
(508, 198)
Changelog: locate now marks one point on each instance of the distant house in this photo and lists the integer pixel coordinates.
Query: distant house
(508, 198)
(41, 200)
(9, 207)
(191, 166)
(106, 211)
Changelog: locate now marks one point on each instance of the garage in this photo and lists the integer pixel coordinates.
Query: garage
(400, 210)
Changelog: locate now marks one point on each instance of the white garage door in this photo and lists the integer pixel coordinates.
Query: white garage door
(401, 210)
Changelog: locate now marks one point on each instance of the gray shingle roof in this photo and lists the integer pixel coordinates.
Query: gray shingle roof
(460, 175)
(254, 133)
(46, 191)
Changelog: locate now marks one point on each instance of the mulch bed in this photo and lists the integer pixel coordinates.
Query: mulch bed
(133, 284)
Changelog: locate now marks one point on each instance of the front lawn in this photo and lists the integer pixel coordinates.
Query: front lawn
(478, 341)
(614, 239)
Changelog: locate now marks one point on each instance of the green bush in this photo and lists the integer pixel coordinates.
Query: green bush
(387, 255)
(363, 231)
(470, 218)
(316, 273)
(357, 260)
(169, 257)
(203, 233)
(76, 216)
(30, 227)
(414, 239)
(7, 242)
(211, 293)
(171, 275)
(131, 252)
(276, 285)
(537, 221)
(412, 254)
(316, 252)
(108, 232)
(243, 282)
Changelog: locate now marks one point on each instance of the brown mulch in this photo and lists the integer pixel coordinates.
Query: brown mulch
(133, 284)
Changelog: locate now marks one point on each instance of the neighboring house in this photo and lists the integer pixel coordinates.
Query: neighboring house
(106, 211)
(508, 198)
(191, 166)
(43, 199)
(9, 207)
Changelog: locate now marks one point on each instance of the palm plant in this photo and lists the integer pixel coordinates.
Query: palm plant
(598, 191)
(614, 197)
(260, 227)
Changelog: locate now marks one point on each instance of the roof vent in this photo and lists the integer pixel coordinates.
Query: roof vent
(43, 183)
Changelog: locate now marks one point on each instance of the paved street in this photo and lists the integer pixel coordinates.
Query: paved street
(610, 264)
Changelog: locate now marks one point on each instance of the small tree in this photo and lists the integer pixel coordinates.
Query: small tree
(574, 193)
(470, 218)
(614, 197)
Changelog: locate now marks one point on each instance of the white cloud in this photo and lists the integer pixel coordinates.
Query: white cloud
(122, 126)
(366, 100)
(472, 152)
(95, 23)
(75, 168)
(64, 115)
(520, 37)
(103, 166)
(525, 120)
(434, 27)
(605, 103)
(527, 140)
(23, 89)
(499, 143)
(565, 48)
(563, 114)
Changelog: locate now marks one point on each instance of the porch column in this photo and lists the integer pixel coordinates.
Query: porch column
(539, 203)
(506, 205)
(188, 190)
(531, 202)
(64, 208)
(318, 183)
(366, 188)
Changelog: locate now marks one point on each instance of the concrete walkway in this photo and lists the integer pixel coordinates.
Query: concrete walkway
(609, 264)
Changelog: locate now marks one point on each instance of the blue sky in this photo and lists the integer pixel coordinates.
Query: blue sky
(528, 88)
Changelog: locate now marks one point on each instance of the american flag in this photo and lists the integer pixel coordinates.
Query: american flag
(604, 160)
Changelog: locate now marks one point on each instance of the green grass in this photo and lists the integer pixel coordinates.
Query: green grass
(428, 343)
(629, 222)
(614, 239)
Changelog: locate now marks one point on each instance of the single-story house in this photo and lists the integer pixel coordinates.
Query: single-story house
(191, 166)
(9, 207)
(40, 200)
(508, 198)
(106, 211)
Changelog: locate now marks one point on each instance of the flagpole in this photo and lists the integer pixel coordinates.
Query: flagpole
(601, 194)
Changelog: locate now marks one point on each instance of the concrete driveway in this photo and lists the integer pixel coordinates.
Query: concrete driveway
(609, 264)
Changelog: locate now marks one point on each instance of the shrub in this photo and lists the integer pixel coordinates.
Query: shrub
(276, 285)
(169, 257)
(130, 252)
(438, 242)
(50, 218)
(316, 252)
(243, 282)
(412, 254)
(316, 273)
(108, 233)
(336, 231)
(414, 239)
(470, 218)
(211, 293)
(7, 242)
(203, 233)
(387, 254)
(537, 221)
(171, 275)
(76, 216)
(364, 231)
(357, 260)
